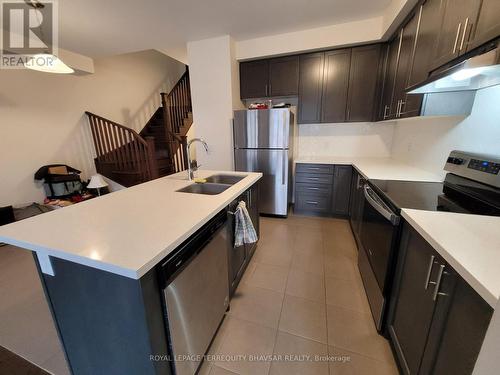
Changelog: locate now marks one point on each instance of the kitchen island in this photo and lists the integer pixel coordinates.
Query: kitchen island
(97, 262)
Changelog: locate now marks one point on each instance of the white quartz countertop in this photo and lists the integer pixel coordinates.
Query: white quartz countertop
(469, 243)
(377, 168)
(126, 232)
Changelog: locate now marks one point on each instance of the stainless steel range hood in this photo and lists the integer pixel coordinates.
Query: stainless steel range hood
(474, 73)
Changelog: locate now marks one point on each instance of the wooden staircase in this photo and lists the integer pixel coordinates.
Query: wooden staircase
(160, 149)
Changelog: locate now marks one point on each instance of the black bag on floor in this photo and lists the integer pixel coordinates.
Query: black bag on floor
(60, 181)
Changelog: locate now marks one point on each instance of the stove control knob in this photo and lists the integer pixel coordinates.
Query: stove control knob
(456, 161)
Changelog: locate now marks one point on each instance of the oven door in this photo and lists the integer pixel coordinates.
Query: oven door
(378, 235)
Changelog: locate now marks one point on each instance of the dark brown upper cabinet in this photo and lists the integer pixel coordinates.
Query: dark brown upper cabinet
(428, 28)
(388, 110)
(363, 83)
(406, 105)
(487, 26)
(339, 85)
(269, 77)
(284, 76)
(457, 18)
(310, 87)
(335, 85)
(254, 79)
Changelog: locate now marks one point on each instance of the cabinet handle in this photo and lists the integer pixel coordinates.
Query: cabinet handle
(429, 271)
(270, 90)
(463, 35)
(401, 107)
(283, 161)
(267, 90)
(310, 188)
(456, 37)
(312, 178)
(312, 202)
(313, 168)
(438, 282)
(385, 111)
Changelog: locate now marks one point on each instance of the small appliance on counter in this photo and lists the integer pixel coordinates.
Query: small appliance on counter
(472, 185)
(263, 142)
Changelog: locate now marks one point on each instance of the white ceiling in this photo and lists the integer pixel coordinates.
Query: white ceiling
(107, 27)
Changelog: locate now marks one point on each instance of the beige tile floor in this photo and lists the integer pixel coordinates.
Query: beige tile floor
(301, 298)
(26, 325)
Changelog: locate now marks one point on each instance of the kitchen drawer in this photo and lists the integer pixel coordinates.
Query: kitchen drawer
(314, 178)
(312, 203)
(320, 189)
(314, 168)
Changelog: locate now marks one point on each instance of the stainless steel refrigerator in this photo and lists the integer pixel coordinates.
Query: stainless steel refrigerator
(263, 142)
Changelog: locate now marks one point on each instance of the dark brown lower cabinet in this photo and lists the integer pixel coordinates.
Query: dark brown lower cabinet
(437, 322)
(341, 189)
(238, 258)
(322, 190)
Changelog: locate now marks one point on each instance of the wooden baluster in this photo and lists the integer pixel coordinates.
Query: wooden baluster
(108, 142)
(183, 147)
(121, 150)
(95, 136)
(103, 139)
(112, 141)
(129, 164)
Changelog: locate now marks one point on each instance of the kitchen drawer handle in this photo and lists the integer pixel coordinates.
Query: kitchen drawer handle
(463, 35)
(311, 188)
(401, 104)
(429, 271)
(386, 115)
(456, 37)
(312, 178)
(313, 168)
(312, 202)
(438, 283)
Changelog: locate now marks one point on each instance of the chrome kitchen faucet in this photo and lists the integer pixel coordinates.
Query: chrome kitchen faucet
(192, 164)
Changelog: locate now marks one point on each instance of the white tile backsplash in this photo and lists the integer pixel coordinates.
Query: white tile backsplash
(422, 142)
(426, 143)
(361, 139)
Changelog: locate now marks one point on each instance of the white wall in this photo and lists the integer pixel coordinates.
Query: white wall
(322, 37)
(426, 143)
(348, 33)
(345, 139)
(214, 93)
(42, 115)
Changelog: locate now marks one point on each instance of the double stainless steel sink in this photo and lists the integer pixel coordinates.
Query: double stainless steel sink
(214, 185)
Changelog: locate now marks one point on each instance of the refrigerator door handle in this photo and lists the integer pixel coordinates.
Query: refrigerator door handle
(283, 168)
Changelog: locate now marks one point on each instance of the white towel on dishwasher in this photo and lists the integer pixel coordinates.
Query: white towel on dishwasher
(244, 229)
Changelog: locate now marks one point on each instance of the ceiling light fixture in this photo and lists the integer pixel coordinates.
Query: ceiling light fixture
(45, 62)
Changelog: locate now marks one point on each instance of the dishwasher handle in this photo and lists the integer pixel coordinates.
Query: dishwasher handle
(377, 203)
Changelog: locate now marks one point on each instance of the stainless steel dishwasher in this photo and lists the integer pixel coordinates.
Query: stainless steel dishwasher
(196, 294)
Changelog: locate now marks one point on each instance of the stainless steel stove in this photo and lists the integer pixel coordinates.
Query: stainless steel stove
(472, 185)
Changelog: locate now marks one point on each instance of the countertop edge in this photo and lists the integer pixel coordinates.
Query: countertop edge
(476, 284)
(356, 162)
(146, 267)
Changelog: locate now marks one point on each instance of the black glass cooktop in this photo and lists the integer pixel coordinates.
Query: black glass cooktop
(409, 194)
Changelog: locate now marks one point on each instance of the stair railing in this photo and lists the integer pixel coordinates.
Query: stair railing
(121, 149)
(176, 106)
